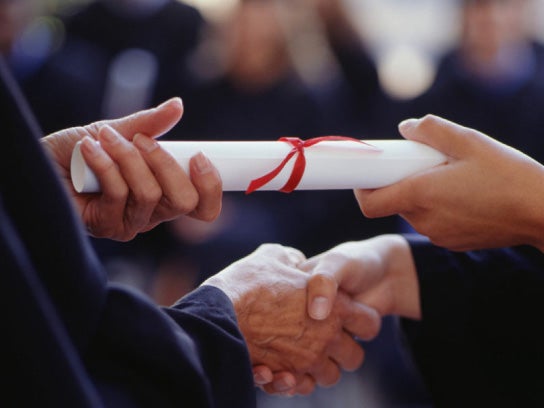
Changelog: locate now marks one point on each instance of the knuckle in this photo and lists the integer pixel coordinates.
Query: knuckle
(311, 361)
(211, 185)
(335, 376)
(119, 194)
(165, 158)
(271, 248)
(428, 122)
(374, 325)
(355, 361)
(306, 389)
(319, 280)
(105, 166)
(150, 194)
(208, 216)
(335, 340)
(330, 377)
(126, 151)
(186, 202)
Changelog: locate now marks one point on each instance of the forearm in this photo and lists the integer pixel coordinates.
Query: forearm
(403, 276)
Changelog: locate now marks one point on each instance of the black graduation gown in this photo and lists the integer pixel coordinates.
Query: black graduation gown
(68, 338)
(480, 341)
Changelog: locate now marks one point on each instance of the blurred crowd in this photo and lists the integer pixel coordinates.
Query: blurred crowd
(269, 68)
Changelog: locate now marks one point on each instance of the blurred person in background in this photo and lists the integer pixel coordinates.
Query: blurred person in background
(493, 80)
(356, 104)
(145, 46)
(253, 86)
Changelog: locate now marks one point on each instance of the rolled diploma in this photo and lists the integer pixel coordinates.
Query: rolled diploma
(330, 165)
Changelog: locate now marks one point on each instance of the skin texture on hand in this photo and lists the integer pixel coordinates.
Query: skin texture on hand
(488, 195)
(379, 272)
(142, 185)
(269, 297)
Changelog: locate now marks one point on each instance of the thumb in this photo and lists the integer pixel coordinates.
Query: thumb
(449, 138)
(322, 289)
(153, 122)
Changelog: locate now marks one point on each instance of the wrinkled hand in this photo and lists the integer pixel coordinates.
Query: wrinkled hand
(487, 195)
(269, 297)
(142, 185)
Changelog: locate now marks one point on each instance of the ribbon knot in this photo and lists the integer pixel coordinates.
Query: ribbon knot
(300, 162)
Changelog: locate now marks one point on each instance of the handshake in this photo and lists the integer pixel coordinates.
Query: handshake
(301, 318)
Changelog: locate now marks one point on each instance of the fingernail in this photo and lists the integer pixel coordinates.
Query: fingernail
(319, 309)
(177, 99)
(90, 145)
(202, 163)
(407, 124)
(259, 379)
(284, 384)
(109, 135)
(144, 143)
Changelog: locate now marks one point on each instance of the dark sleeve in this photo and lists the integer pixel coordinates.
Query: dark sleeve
(191, 354)
(480, 339)
(208, 314)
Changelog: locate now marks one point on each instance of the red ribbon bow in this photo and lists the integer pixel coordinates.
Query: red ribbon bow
(300, 162)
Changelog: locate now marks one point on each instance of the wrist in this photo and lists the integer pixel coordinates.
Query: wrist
(402, 275)
(218, 282)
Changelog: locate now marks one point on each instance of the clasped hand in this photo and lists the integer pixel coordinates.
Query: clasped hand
(291, 352)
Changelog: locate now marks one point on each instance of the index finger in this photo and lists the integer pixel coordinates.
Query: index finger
(153, 122)
(448, 137)
(386, 201)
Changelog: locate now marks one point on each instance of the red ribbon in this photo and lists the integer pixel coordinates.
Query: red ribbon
(300, 162)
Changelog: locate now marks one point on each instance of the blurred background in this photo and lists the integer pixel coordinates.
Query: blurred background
(262, 69)
(411, 33)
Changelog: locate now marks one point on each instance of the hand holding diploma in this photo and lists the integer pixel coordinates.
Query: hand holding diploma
(487, 195)
(142, 185)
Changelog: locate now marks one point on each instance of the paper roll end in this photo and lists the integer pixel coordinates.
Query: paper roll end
(83, 179)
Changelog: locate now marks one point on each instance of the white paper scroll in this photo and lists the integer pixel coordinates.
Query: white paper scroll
(329, 164)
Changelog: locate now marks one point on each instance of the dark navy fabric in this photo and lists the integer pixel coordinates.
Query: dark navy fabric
(68, 338)
(480, 340)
